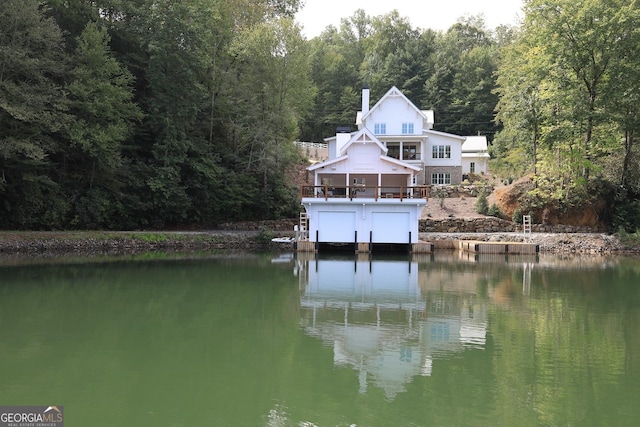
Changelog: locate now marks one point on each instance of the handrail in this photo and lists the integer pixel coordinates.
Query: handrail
(360, 191)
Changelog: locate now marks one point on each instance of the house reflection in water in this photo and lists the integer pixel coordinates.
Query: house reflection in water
(382, 322)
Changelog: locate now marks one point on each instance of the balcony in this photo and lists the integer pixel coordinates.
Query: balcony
(364, 192)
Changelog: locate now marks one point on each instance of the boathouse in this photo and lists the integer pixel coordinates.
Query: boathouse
(371, 190)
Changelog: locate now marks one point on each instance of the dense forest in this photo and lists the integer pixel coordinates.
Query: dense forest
(129, 114)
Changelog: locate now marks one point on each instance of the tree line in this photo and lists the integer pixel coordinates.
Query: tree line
(122, 114)
(568, 89)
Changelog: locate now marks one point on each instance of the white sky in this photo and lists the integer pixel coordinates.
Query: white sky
(434, 14)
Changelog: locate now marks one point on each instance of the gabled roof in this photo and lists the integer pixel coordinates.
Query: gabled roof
(397, 162)
(393, 92)
(363, 136)
(428, 114)
(475, 143)
(448, 135)
(321, 165)
(475, 155)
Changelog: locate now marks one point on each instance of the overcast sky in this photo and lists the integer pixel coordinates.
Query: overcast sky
(436, 15)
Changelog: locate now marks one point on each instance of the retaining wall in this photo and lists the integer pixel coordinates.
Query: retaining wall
(450, 225)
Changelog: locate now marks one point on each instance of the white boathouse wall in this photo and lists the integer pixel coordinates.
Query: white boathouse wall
(367, 222)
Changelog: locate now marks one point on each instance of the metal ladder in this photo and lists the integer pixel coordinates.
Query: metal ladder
(526, 224)
(303, 227)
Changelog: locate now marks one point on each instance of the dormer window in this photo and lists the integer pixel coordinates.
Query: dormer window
(380, 128)
(407, 128)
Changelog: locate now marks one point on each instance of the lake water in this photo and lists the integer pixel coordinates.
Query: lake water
(277, 340)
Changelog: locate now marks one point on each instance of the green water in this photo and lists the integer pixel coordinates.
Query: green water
(267, 340)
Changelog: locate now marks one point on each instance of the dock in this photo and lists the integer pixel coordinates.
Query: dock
(420, 247)
(478, 247)
(472, 246)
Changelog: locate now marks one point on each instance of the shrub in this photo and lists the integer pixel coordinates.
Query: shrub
(482, 205)
(442, 195)
(265, 235)
(628, 239)
(494, 210)
(517, 216)
(626, 216)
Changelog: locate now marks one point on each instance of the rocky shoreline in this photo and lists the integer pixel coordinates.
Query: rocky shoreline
(582, 243)
(121, 243)
(43, 244)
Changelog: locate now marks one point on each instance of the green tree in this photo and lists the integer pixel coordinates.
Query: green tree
(460, 89)
(522, 100)
(177, 74)
(273, 91)
(581, 40)
(100, 101)
(391, 36)
(336, 57)
(32, 112)
(568, 90)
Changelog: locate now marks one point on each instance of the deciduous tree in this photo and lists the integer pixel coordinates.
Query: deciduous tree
(32, 112)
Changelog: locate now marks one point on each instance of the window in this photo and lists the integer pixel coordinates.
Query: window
(393, 150)
(407, 128)
(361, 182)
(440, 179)
(472, 167)
(410, 152)
(380, 128)
(441, 152)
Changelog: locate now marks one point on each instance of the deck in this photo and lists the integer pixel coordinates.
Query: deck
(362, 191)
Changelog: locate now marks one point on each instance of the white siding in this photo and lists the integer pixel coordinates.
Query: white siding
(394, 111)
(436, 140)
(481, 164)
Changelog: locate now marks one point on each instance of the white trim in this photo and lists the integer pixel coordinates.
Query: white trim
(394, 91)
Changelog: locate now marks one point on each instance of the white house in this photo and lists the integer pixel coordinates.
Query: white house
(374, 184)
(408, 134)
(475, 155)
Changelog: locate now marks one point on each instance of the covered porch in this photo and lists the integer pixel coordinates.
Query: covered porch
(363, 185)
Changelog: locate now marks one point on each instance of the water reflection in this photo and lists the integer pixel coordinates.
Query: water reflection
(389, 319)
(450, 339)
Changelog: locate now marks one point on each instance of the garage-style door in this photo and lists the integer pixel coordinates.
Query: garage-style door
(390, 227)
(336, 227)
